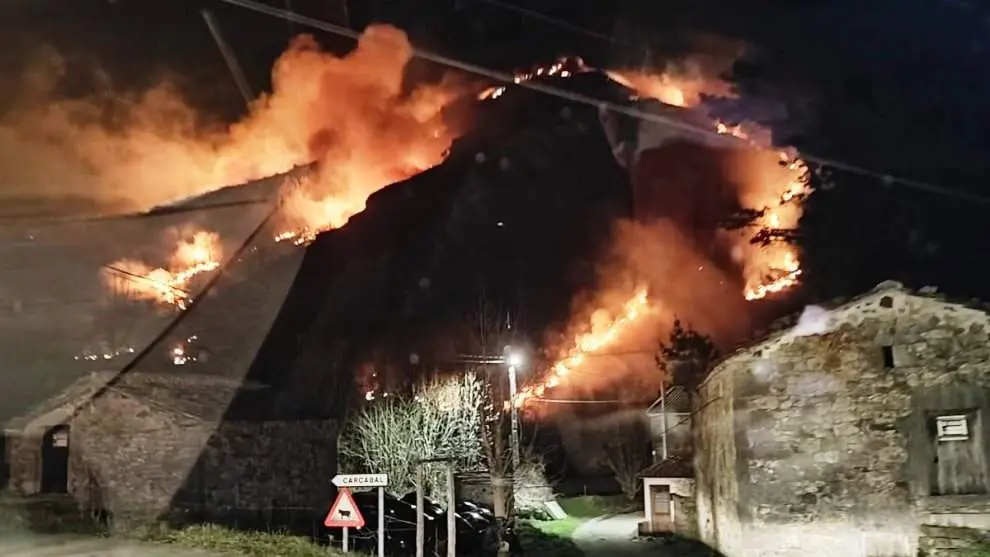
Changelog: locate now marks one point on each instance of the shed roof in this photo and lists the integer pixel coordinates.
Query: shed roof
(671, 467)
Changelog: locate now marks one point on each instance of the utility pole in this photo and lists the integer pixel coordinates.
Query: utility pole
(451, 511)
(663, 420)
(420, 520)
(513, 417)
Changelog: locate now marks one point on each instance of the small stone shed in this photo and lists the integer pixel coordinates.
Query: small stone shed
(669, 497)
(668, 484)
(155, 443)
(850, 432)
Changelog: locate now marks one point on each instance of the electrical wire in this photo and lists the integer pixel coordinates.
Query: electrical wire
(561, 23)
(43, 220)
(509, 79)
(180, 317)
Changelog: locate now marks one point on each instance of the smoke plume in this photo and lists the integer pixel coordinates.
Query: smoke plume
(352, 113)
(685, 81)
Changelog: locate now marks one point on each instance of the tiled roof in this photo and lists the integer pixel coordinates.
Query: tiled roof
(672, 467)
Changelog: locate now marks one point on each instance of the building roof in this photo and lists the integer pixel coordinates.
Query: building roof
(55, 307)
(829, 316)
(675, 399)
(672, 467)
(201, 396)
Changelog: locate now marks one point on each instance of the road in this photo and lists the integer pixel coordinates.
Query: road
(615, 536)
(14, 545)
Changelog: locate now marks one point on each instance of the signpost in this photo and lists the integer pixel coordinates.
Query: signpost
(345, 482)
(344, 514)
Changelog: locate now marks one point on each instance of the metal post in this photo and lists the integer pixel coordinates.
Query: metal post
(228, 56)
(381, 522)
(663, 422)
(344, 545)
(451, 513)
(420, 522)
(514, 418)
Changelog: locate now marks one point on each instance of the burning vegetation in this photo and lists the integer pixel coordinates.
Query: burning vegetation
(362, 128)
(196, 253)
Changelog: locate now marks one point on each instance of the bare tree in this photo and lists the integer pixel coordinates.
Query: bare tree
(488, 330)
(625, 454)
(440, 420)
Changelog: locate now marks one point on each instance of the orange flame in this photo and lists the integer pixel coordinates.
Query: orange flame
(563, 67)
(777, 186)
(200, 253)
(593, 340)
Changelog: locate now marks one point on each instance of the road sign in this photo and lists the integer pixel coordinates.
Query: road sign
(360, 480)
(344, 513)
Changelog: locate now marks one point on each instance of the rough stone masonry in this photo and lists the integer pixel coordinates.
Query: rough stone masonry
(823, 438)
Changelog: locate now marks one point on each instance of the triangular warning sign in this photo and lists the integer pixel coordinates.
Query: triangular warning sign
(344, 513)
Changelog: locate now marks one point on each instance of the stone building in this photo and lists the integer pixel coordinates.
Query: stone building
(850, 432)
(668, 483)
(158, 443)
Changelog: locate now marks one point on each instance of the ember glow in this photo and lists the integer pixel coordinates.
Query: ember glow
(603, 331)
(365, 131)
(563, 67)
(775, 183)
(151, 148)
(195, 255)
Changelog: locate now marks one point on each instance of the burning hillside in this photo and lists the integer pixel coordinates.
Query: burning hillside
(352, 117)
(362, 128)
(676, 256)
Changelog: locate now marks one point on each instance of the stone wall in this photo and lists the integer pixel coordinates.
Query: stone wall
(140, 461)
(716, 485)
(270, 465)
(831, 442)
(949, 541)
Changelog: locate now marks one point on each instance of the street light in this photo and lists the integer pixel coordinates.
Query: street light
(514, 360)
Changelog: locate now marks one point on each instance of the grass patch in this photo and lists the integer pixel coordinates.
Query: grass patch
(591, 506)
(218, 539)
(563, 528)
(536, 540)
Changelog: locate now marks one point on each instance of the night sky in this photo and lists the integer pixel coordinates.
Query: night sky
(896, 86)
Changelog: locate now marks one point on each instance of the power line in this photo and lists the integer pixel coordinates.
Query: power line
(885, 178)
(44, 220)
(182, 315)
(562, 24)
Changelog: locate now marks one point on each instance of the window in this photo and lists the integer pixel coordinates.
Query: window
(888, 357)
(958, 459)
(951, 428)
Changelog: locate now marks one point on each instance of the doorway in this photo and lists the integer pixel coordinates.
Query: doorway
(55, 460)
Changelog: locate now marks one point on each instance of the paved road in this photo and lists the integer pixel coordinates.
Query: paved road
(613, 536)
(14, 545)
(616, 536)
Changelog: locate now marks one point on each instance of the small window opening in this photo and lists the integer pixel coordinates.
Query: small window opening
(888, 357)
(951, 428)
(886, 302)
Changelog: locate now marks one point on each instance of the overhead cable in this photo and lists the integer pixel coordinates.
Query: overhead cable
(181, 316)
(509, 79)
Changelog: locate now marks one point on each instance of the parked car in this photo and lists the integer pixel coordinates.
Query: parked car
(400, 526)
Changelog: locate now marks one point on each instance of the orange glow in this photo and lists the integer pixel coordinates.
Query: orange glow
(200, 253)
(772, 181)
(603, 331)
(353, 115)
(563, 67)
(776, 183)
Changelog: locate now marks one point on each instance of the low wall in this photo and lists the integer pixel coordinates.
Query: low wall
(951, 541)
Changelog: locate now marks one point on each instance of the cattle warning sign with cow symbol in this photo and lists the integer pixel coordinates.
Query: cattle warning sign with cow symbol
(344, 513)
